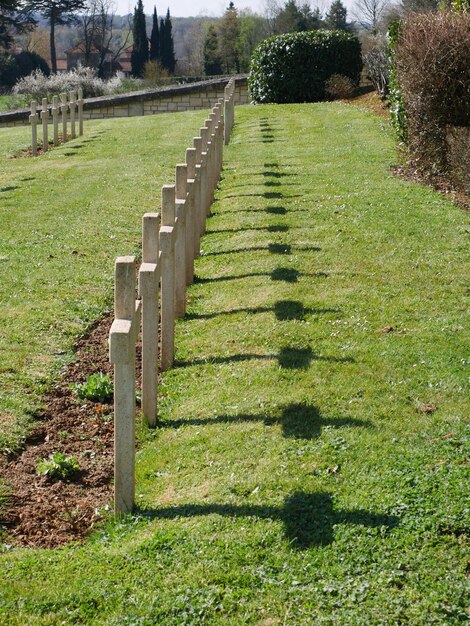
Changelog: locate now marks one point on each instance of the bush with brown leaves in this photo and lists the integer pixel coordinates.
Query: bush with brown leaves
(339, 86)
(432, 62)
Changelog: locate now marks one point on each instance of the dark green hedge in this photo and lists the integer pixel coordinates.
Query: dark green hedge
(295, 67)
(12, 68)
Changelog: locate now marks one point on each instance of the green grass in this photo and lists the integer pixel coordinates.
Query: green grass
(64, 217)
(293, 480)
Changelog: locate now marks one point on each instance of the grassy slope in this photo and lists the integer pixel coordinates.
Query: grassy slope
(293, 480)
(64, 217)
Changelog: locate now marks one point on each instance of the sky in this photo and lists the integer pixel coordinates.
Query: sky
(188, 8)
(212, 8)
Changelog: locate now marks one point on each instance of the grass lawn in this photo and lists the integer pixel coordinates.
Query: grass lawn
(311, 466)
(64, 217)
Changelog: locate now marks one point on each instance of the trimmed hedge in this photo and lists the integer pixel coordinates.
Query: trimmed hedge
(295, 67)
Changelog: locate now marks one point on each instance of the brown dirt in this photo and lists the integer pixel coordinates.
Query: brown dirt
(368, 99)
(43, 513)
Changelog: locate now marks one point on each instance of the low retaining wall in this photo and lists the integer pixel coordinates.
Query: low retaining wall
(202, 95)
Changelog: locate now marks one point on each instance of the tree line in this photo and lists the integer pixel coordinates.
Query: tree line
(212, 46)
(96, 28)
(159, 50)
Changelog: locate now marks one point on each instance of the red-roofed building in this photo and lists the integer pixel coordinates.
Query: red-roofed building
(77, 57)
(124, 62)
(61, 64)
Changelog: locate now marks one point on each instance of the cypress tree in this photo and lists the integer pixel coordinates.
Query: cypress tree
(162, 41)
(167, 50)
(155, 38)
(140, 47)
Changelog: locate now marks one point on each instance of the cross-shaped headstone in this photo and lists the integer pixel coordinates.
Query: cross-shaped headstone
(63, 109)
(33, 118)
(122, 351)
(55, 119)
(45, 120)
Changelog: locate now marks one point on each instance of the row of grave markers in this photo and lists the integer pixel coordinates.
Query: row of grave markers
(69, 111)
(170, 244)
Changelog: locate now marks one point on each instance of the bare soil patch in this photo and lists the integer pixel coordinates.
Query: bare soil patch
(42, 513)
(368, 98)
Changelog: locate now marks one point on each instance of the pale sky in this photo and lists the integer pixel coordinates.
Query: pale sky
(188, 8)
(212, 8)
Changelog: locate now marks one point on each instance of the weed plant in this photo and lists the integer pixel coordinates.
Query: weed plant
(58, 466)
(97, 388)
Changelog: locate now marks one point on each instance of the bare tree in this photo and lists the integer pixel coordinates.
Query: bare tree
(191, 60)
(99, 34)
(88, 27)
(272, 9)
(369, 13)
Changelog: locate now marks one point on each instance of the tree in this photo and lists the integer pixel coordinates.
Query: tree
(289, 18)
(292, 18)
(14, 17)
(229, 29)
(56, 12)
(192, 48)
(309, 20)
(253, 29)
(98, 34)
(212, 58)
(88, 28)
(369, 13)
(140, 46)
(38, 41)
(167, 50)
(335, 19)
(155, 38)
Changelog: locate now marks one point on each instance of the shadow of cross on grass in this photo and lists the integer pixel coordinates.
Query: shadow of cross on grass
(273, 248)
(286, 274)
(284, 310)
(288, 358)
(275, 228)
(308, 518)
(299, 420)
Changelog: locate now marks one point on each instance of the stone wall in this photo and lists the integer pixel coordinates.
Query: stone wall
(201, 95)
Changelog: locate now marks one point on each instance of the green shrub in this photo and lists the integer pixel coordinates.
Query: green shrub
(296, 66)
(395, 98)
(12, 68)
(28, 61)
(58, 466)
(97, 388)
(8, 72)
